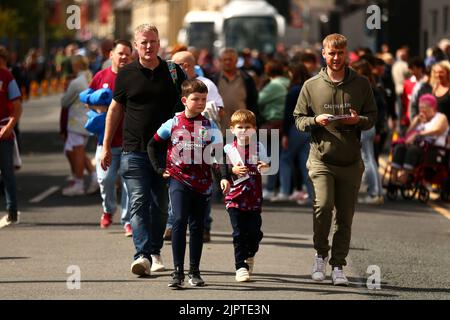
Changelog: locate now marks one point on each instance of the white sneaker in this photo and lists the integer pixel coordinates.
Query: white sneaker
(298, 195)
(242, 275)
(371, 200)
(280, 197)
(157, 263)
(74, 189)
(319, 268)
(268, 194)
(251, 263)
(141, 266)
(93, 187)
(339, 278)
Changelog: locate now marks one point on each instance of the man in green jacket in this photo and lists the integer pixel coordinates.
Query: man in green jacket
(335, 106)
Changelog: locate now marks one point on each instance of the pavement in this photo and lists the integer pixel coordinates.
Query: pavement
(44, 256)
(58, 242)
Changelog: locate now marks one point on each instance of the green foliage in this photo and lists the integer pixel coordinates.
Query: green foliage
(20, 20)
(10, 22)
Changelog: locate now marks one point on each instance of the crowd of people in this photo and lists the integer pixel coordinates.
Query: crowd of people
(329, 114)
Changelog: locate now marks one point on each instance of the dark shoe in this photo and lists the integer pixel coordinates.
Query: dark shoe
(177, 279)
(167, 234)
(206, 235)
(195, 279)
(12, 216)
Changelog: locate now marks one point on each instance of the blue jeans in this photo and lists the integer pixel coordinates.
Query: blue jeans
(148, 198)
(299, 144)
(8, 175)
(107, 183)
(371, 175)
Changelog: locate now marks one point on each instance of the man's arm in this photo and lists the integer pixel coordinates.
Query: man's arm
(7, 130)
(152, 146)
(113, 116)
(303, 115)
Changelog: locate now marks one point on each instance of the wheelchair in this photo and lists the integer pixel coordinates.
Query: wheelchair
(432, 170)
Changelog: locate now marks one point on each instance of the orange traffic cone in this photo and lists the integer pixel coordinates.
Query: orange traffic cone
(34, 89)
(54, 85)
(23, 91)
(44, 87)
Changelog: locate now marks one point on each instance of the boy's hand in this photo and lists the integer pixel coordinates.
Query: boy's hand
(262, 166)
(6, 132)
(239, 170)
(225, 186)
(98, 109)
(166, 174)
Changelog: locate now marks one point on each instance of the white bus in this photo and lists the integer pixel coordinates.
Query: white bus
(240, 24)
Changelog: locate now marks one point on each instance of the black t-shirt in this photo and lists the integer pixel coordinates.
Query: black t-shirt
(149, 98)
(443, 104)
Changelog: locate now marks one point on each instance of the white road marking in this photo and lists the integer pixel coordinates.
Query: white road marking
(4, 222)
(45, 194)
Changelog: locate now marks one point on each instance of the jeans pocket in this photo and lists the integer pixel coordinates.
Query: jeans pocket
(124, 163)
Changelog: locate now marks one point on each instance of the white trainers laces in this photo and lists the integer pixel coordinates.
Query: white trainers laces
(339, 276)
(319, 265)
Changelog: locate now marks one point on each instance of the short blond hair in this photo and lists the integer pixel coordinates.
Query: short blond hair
(335, 40)
(444, 64)
(145, 27)
(243, 116)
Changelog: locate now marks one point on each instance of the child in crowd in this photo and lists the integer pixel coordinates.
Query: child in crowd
(188, 166)
(244, 200)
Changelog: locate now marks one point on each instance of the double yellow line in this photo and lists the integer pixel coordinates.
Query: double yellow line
(441, 208)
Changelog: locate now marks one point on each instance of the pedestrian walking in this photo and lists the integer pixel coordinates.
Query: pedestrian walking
(213, 111)
(334, 106)
(120, 56)
(244, 201)
(236, 87)
(10, 112)
(72, 120)
(190, 185)
(146, 94)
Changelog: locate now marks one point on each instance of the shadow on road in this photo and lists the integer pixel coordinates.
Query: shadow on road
(46, 142)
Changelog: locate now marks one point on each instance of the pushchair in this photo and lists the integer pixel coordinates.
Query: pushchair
(431, 171)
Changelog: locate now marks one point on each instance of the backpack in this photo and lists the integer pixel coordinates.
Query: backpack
(173, 73)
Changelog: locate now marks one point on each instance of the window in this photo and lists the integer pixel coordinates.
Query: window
(445, 19)
(434, 21)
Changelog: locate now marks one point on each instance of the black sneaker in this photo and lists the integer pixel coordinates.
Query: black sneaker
(177, 279)
(195, 279)
(206, 236)
(12, 216)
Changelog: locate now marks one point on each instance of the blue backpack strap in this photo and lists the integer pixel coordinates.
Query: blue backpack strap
(173, 71)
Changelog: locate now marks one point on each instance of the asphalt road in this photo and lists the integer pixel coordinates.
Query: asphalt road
(58, 238)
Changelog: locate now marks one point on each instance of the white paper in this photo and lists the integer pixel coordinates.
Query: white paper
(339, 117)
(236, 160)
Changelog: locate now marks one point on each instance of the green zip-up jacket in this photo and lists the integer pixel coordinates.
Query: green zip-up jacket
(335, 143)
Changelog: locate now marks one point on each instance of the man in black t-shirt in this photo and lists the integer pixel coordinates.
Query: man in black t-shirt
(147, 94)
